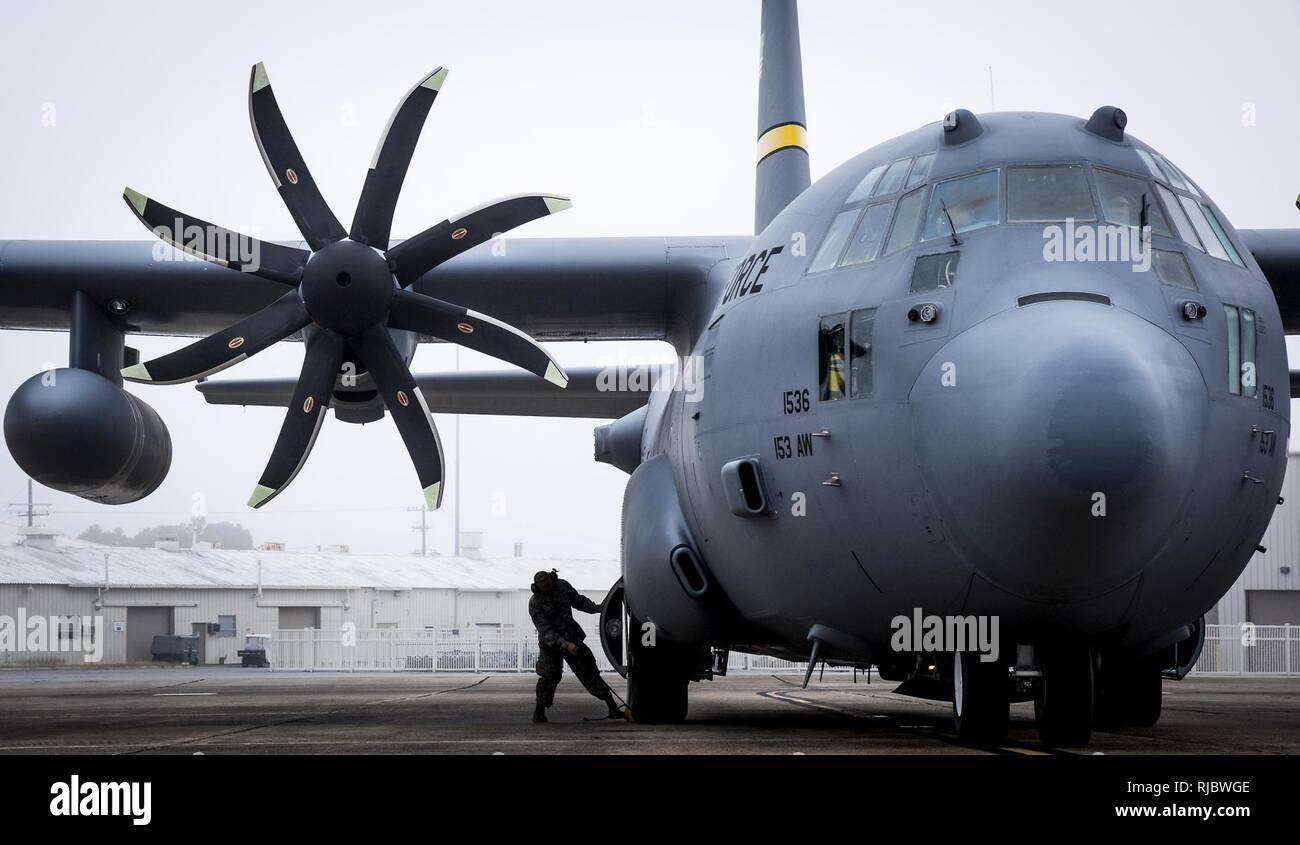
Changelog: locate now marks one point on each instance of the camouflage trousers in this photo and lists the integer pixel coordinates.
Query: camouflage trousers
(550, 665)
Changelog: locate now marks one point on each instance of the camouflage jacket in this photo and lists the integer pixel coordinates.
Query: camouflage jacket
(552, 614)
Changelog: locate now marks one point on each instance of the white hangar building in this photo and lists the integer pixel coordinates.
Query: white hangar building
(223, 595)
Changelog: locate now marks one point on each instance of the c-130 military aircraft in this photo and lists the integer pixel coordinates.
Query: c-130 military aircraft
(906, 404)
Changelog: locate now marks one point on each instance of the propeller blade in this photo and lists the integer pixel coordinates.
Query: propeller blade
(288, 171)
(311, 399)
(246, 254)
(229, 346)
(416, 312)
(414, 257)
(405, 402)
(373, 221)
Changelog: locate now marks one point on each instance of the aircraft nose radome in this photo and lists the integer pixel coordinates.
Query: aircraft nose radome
(1059, 442)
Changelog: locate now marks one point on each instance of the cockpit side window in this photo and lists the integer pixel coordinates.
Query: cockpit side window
(1202, 227)
(909, 214)
(1181, 223)
(861, 326)
(970, 202)
(1234, 349)
(1242, 335)
(1221, 234)
(1196, 221)
(844, 355)
(867, 238)
(1048, 194)
(833, 244)
(832, 349)
(1121, 201)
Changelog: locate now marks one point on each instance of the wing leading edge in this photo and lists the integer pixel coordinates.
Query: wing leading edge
(651, 288)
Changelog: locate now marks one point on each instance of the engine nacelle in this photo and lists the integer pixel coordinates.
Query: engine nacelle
(77, 432)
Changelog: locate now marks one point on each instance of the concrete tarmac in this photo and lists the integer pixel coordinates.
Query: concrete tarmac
(228, 710)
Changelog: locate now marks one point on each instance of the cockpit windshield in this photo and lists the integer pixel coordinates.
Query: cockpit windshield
(969, 202)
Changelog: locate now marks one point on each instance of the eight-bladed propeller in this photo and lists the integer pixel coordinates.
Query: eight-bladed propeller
(348, 291)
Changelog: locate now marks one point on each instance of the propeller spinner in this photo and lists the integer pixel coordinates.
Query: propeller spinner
(348, 290)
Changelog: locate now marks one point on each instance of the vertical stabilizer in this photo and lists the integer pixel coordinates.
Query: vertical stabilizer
(782, 172)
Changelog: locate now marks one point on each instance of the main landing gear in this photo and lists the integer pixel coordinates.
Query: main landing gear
(1069, 691)
(1063, 698)
(980, 698)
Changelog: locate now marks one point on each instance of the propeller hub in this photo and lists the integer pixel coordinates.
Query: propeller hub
(347, 287)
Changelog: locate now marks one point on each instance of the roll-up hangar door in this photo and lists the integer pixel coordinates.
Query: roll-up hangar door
(142, 625)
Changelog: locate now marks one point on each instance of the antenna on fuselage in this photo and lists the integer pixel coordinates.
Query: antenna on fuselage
(782, 170)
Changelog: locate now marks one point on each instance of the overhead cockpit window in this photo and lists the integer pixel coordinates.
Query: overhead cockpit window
(1181, 223)
(861, 325)
(1121, 201)
(1171, 268)
(1174, 176)
(868, 183)
(969, 202)
(867, 238)
(920, 170)
(893, 178)
(1048, 194)
(1164, 169)
(833, 243)
(832, 346)
(905, 221)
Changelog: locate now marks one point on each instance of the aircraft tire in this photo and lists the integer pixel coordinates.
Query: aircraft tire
(980, 700)
(1063, 704)
(657, 683)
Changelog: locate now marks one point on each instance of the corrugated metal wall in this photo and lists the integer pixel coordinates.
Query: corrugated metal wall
(364, 608)
(1282, 539)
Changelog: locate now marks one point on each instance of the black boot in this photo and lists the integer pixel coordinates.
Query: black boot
(539, 714)
(615, 711)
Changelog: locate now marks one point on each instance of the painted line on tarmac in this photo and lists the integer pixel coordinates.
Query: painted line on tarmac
(303, 718)
(919, 730)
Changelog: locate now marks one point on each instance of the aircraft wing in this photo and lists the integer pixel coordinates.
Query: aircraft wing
(1277, 251)
(646, 288)
(592, 392)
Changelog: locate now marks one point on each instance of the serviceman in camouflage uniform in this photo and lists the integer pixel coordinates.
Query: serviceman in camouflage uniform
(560, 638)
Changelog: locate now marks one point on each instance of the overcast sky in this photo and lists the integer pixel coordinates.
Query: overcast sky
(644, 114)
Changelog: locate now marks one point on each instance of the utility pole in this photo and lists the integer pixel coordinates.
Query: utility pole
(30, 508)
(423, 528)
(456, 490)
